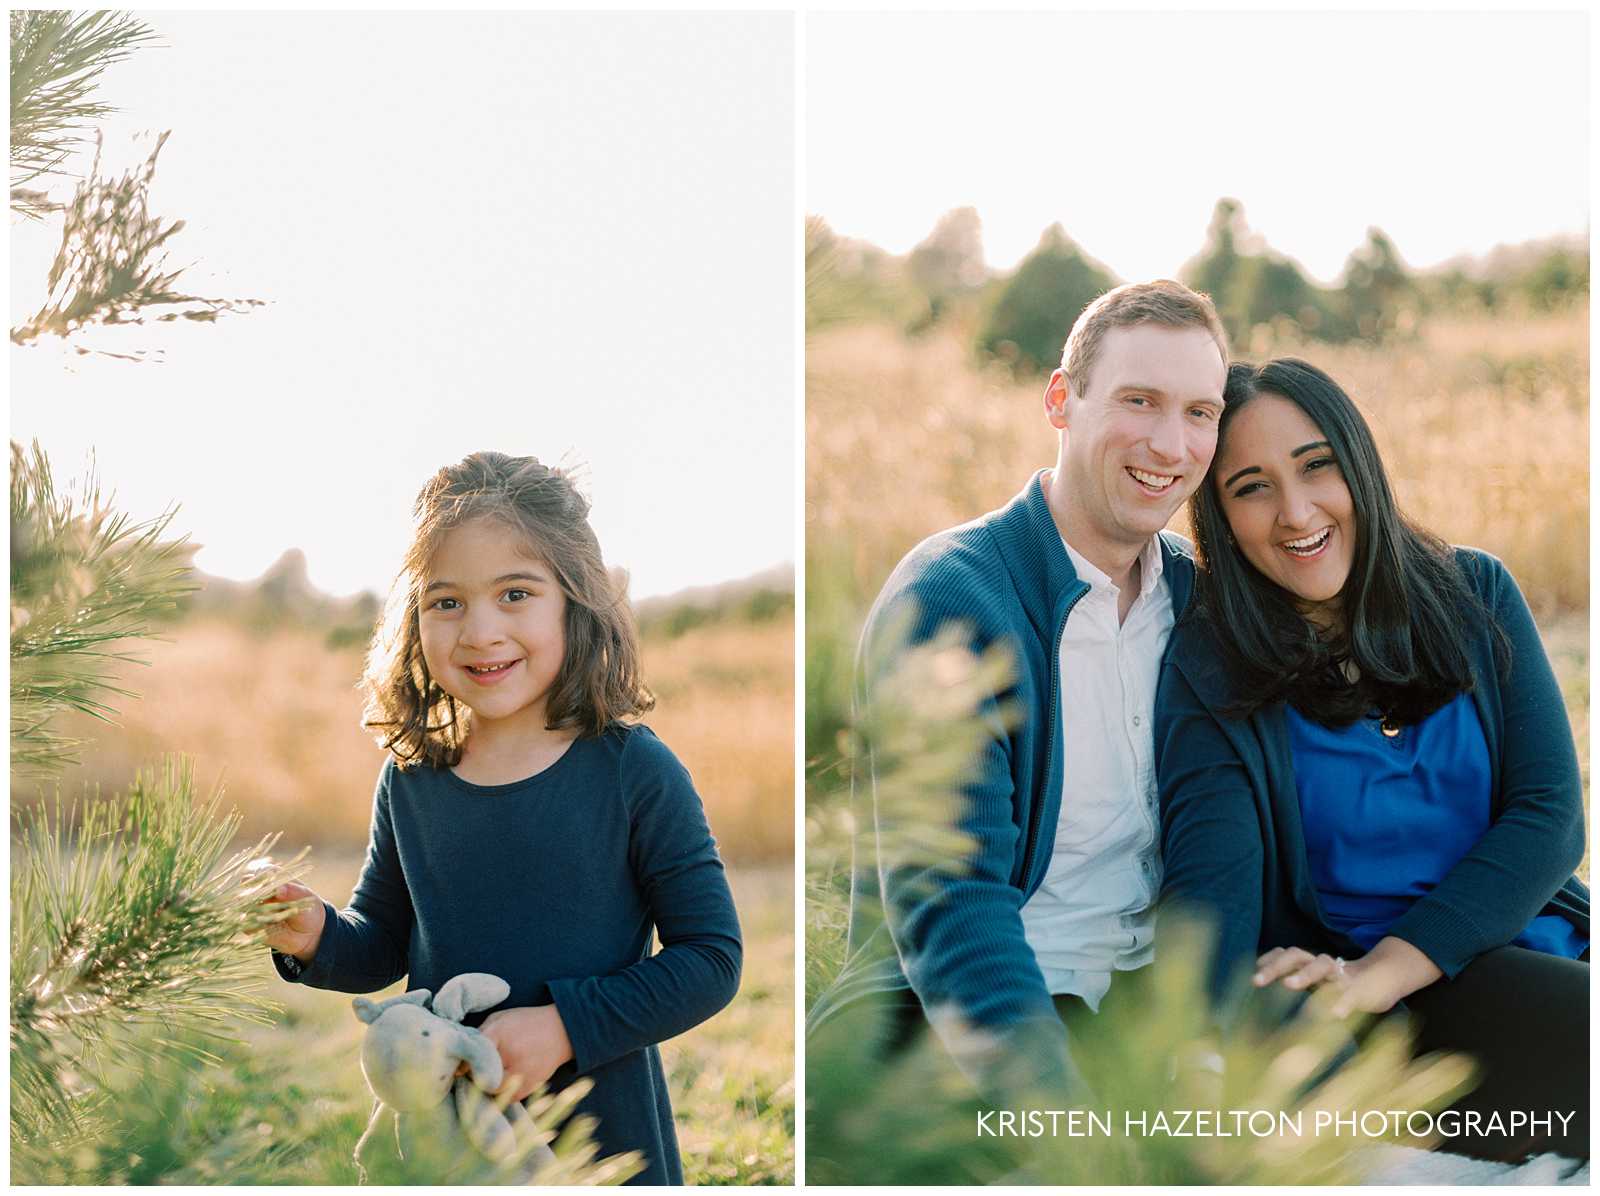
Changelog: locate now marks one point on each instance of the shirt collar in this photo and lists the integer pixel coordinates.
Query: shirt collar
(1150, 567)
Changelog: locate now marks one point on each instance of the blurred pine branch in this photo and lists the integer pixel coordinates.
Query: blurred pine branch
(83, 579)
(57, 58)
(911, 1117)
(112, 264)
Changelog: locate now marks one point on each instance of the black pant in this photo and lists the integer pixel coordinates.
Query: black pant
(1524, 1016)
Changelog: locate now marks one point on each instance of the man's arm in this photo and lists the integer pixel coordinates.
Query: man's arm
(956, 923)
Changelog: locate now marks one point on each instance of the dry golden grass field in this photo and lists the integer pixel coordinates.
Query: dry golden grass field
(274, 717)
(1483, 424)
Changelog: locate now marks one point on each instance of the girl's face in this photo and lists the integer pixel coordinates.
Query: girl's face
(493, 625)
(1287, 503)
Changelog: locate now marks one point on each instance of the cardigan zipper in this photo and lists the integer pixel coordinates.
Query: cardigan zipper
(1050, 757)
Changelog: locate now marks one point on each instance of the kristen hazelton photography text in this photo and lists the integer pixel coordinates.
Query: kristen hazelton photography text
(1197, 659)
(1391, 1124)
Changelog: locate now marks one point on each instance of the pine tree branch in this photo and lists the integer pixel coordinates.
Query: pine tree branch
(112, 264)
(129, 914)
(84, 579)
(57, 58)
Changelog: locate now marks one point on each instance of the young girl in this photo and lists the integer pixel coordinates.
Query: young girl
(520, 827)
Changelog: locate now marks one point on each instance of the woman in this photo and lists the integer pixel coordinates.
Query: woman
(1367, 773)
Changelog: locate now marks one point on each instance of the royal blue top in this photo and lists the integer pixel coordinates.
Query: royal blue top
(555, 884)
(1387, 812)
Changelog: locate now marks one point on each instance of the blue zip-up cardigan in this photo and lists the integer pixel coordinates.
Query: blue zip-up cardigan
(1231, 837)
(1006, 577)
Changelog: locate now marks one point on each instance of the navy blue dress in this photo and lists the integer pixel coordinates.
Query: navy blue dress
(554, 883)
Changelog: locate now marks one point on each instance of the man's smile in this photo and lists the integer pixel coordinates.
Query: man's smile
(1154, 482)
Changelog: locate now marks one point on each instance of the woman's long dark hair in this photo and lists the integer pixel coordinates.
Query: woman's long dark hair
(1403, 604)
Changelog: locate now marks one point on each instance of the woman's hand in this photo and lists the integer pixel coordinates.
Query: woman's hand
(532, 1042)
(1297, 968)
(300, 932)
(1392, 970)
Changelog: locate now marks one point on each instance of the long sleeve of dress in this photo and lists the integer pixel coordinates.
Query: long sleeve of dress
(696, 970)
(364, 946)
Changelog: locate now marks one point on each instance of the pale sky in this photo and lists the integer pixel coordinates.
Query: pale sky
(1452, 132)
(571, 236)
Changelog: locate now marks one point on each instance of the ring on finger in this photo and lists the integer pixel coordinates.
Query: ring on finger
(1338, 962)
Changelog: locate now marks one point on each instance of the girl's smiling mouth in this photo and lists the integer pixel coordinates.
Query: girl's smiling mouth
(488, 674)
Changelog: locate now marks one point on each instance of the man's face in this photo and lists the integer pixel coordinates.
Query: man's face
(1140, 439)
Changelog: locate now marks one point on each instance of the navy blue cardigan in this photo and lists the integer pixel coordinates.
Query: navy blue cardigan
(1230, 814)
(554, 883)
(1006, 578)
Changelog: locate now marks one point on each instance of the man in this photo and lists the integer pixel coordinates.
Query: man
(1076, 579)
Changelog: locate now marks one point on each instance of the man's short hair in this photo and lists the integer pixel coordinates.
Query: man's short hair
(1160, 302)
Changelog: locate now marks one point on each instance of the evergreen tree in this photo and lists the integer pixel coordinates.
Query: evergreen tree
(1215, 270)
(1379, 297)
(1250, 285)
(1560, 277)
(127, 912)
(949, 261)
(1037, 307)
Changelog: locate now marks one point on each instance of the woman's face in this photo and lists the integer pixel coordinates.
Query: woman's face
(1287, 504)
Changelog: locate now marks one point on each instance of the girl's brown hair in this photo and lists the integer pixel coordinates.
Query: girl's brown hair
(599, 681)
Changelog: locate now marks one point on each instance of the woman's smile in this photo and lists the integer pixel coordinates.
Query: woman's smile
(1309, 547)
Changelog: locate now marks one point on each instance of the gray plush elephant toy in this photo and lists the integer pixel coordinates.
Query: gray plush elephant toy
(410, 1055)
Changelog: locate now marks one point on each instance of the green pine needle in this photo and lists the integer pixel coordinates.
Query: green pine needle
(85, 580)
(57, 58)
(134, 930)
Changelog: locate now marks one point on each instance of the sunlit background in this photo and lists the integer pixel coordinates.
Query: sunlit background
(1450, 131)
(567, 236)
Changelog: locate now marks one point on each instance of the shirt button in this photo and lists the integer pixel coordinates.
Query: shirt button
(1136, 720)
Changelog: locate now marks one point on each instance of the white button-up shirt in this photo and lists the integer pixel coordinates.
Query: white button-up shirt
(1092, 914)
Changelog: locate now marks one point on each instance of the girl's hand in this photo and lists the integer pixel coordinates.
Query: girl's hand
(532, 1042)
(300, 932)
